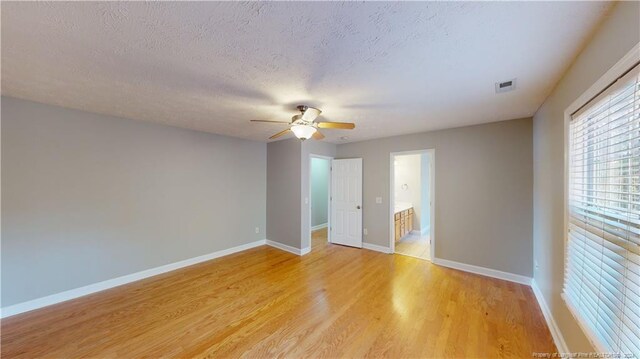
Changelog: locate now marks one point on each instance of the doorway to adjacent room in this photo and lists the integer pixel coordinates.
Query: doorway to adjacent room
(411, 204)
(320, 177)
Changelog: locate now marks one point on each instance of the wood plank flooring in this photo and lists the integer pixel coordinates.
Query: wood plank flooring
(334, 302)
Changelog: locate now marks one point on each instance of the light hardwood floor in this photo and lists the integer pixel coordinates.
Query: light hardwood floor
(334, 302)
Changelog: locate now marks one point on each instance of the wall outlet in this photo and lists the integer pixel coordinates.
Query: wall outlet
(257, 229)
(535, 264)
(378, 200)
(306, 200)
(365, 231)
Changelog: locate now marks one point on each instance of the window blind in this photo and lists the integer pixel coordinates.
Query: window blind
(602, 269)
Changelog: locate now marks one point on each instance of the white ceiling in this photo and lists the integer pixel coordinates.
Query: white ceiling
(392, 68)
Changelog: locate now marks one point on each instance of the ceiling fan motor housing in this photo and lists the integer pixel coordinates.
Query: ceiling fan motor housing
(297, 120)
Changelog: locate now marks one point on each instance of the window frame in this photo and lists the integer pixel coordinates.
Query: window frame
(616, 71)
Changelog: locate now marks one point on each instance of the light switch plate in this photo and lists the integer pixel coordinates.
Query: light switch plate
(378, 200)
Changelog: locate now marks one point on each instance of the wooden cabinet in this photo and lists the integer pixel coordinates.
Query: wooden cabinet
(403, 223)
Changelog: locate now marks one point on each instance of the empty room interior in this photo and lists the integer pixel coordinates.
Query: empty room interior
(320, 179)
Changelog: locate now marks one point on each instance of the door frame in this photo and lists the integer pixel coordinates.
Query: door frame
(432, 196)
(328, 158)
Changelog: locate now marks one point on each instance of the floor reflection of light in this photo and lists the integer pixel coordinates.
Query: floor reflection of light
(400, 297)
(322, 303)
(316, 289)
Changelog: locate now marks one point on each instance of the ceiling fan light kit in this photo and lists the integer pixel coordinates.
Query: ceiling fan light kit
(303, 132)
(304, 127)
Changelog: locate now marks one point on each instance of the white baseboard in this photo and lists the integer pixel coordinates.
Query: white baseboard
(551, 323)
(115, 282)
(494, 273)
(375, 247)
(286, 248)
(320, 226)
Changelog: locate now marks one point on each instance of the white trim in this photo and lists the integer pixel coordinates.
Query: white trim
(432, 197)
(488, 272)
(622, 66)
(320, 226)
(287, 248)
(304, 251)
(377, 248)
(551, 323)
(115, 282)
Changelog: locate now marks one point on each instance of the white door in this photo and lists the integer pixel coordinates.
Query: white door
(346, 202)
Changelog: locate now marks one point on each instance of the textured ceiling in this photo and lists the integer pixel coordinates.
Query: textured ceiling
(392, 68)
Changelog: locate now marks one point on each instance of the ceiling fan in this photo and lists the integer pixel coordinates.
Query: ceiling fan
(304, 126)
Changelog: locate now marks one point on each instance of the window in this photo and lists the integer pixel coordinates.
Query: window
(602, 269)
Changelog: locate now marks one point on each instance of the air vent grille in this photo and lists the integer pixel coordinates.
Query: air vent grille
(506, 86)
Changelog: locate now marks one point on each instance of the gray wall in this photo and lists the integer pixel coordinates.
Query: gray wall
(320, 177)
(616, 36)
(88, 197)
(284, 192)
(483, 191)
(288, 191)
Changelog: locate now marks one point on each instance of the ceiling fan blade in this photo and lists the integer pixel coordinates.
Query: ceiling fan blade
(268, 121)
(310, 114)
(340, 125)
(318, 135)
(281, 133)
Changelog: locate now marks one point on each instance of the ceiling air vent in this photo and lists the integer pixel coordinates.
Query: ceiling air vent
(506, 86)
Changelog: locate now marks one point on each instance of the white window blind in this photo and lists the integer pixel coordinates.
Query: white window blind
(602, 269)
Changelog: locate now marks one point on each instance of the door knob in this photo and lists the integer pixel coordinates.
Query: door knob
(358, 207)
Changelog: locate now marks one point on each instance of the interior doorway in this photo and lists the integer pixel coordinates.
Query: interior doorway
(320, 184)
(411, 203)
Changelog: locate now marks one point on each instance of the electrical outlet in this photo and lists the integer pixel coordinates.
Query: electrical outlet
(378, 200)
(535, 264)
(306, 200)
(257, 229)
(365, 231)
